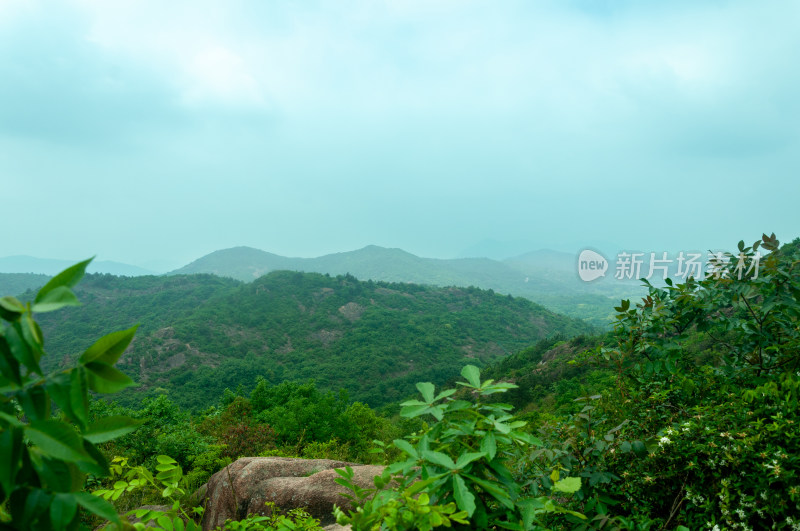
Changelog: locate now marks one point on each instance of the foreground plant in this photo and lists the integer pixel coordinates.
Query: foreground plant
(45, 458)
(460, 462)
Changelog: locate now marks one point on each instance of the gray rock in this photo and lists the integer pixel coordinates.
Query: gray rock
(245, 486)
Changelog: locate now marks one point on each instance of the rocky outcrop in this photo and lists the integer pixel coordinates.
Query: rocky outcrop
(245, 486)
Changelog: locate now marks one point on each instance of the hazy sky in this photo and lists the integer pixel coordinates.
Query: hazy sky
(150, 130)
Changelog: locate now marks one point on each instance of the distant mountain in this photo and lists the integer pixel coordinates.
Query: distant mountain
(47, 266)
(201, 333)
(546, 277)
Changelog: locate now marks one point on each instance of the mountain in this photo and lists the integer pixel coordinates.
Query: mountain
(48, 266)
(545, 277)
(199, 334)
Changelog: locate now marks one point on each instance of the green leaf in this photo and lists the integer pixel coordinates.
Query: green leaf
(62, 510)
(109, 348)
(57, 440)
(639, 448)
(55, 299)
(413, 411)
(11, 308)
(79, 395)
(568, 485)
(97, 506)
(426, 390)
(445, 394)
(166, 460)
(464, 498)
(406, 447)
(10, 457)
(110, 428)
(467, 458)
(472, 375)
(68, 278)
(104, 378)
(439, 458)
(489, 445)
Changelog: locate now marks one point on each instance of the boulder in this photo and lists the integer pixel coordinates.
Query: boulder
(243, 487)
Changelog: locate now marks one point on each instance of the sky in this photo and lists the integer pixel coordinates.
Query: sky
(153, 132)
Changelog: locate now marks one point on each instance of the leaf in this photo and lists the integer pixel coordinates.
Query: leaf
(467, 458)
(104, 378)
(62, 510)
(489, 445)
(464, 498)
(438, 458)
(109, 428)
(10, 457)
(110, 347)
(426, 390)
(472, 375)
(406, 447)
(639, 448)
(56, 299)
(445, 394)
(56, 439)
(10, 308)
(79, 395)
(68, 278)
(413, 411)
(568, 485)
(98, 506)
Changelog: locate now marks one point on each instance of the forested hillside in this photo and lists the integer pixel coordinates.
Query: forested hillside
(200, 334)
(547, 278)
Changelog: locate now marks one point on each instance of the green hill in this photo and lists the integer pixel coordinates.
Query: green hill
(546, 277)
(200, 334)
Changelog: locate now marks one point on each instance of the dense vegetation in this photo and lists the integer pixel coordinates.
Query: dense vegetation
(200, 334)
(545, 277)
(685, 416)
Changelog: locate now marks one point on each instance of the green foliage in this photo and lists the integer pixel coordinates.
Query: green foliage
(700, 428)
(295, 520)
(201, 334)
(394, 509)
(169, 482)
(46, 459)
(465, 458)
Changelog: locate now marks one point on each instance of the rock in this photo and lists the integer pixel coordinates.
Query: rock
(290, 483)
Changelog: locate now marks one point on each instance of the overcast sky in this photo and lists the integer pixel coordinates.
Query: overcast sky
(146, 131)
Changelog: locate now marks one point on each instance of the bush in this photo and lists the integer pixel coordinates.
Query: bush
(45, 459)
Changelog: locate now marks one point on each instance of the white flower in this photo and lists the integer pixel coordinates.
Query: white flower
(664, 440)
